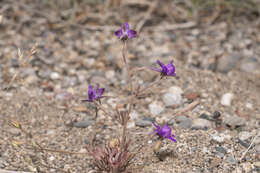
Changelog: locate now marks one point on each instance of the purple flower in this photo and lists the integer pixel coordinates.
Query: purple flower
(94, 94)
(164, 131)
(166, 70)
(125, 33)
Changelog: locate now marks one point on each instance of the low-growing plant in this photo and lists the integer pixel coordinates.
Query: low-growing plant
(116, 156)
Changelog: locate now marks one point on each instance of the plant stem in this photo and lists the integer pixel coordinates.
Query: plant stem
(150, 85)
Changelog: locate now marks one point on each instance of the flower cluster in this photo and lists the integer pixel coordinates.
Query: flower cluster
(166, 70)
(164, 132)
(125, 33)
(94, 94)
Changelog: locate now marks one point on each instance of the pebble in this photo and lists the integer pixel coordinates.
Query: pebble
(110, 75)
(201, 124)
(220, 137)
(244, 143)
(14, 131)
(155, 108)
(171, 99)
(234, 121)
(146, 121)
(84, 123)
(227, 63)
(205, 116)
(175, 89)
(221, 151)
(244, 135)
(249, 65)
(54, 75)
(226, 99)
(134, 115)
(183, 122)
(231, 160)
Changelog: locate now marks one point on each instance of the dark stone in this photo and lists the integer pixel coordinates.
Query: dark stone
(216, 115)
(243, 143)
(205, 116)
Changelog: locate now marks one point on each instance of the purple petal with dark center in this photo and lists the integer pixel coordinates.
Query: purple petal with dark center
(119, 33)
(131, 33)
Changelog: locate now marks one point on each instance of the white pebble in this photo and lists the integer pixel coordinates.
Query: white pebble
(226, 99)
(172, 99)
(155, 108)
(55, 75)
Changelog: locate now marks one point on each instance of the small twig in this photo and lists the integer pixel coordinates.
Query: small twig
(188, 107)
(243, 155)
(173, 26)
(147, 16)
(150, 85)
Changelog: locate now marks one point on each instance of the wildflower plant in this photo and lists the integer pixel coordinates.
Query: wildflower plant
(117, 158)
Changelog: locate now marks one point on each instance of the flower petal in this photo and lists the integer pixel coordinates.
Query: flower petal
(100, 91)
(171, 138)
(160, 63)
(119, 33)
(156, 125)
(155, 69)
(131, 33)
(125, 27)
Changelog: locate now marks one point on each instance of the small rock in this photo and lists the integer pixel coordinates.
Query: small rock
(244, 143)
(244, 135)
(221, 150)
(231, 160)
(205, 116)
(175, 89)
(14, 131)
(130, 124)
(216, 115)
(31, 79)
(146, 121)
(201, 124)
(227, 63)
(54, 75)
(220, 137)
(249, 65)
(155, 108)
(134, 115)
(83, 123)
(183, 122)
(171, 99)
(226, 99)
(234, 121)
(110, 74)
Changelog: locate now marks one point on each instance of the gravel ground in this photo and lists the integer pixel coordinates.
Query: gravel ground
(213, 106)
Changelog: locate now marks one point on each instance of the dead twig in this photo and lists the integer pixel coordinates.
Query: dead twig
(147, 16)
(173, 27)
(188, 107)
(253, 141)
